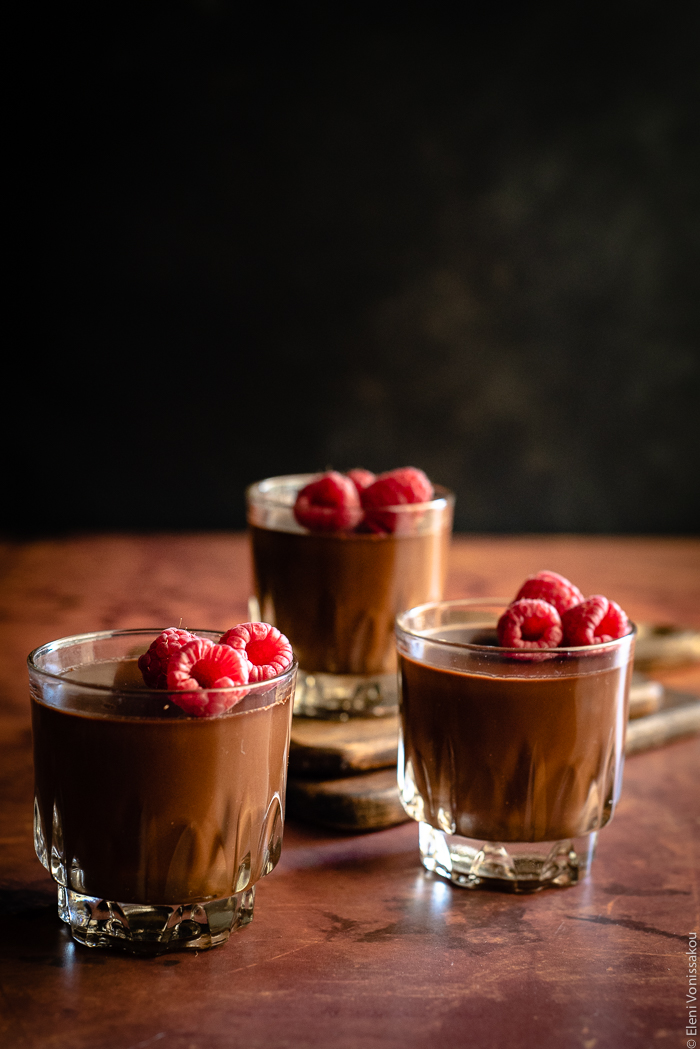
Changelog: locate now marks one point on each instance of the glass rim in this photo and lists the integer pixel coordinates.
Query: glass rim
(475, 602)
(99, 635)
(444, 498)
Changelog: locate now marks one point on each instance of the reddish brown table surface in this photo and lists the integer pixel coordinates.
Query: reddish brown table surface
(352, 943)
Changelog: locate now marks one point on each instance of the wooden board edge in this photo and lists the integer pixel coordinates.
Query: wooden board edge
(655, 730)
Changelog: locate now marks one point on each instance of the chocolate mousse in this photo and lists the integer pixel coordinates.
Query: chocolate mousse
(336, 595)
(144, 804)
(528, 750)
(336, 558)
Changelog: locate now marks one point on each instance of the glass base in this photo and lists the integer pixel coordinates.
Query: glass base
(510, 866)
(151, 928)
(342, 696)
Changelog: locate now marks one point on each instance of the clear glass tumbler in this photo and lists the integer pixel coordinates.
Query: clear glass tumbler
(155, 825)
(510, 760)
(336, 595)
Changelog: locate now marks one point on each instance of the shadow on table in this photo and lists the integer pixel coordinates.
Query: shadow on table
(32, 932)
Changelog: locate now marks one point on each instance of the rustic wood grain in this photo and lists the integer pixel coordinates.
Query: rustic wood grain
(679, 717)
(331, 749)
(364, 802)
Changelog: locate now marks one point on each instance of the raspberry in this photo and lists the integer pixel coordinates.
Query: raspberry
(552, 588)
(361, 478)
(529, 623)
(201, 665)
(153, 664)
(593, 622)
(329, 504)
(264, 647)
(398, 487)
(402, 487)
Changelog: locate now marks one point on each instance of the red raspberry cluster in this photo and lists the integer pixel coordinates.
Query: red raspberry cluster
(188, 666)
(549, 611)
(360, 500)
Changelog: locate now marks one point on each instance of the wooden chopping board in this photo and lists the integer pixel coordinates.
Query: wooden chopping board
(355, 803)
(343, 774)
(331, 749)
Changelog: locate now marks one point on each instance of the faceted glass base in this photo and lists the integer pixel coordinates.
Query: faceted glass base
(150, 928)
(509, 866)
(342, 696)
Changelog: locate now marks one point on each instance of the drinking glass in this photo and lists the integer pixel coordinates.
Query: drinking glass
(155, 825)
(336, 594)
(511, 760)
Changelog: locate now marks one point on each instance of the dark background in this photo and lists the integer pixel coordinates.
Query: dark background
(343, 235)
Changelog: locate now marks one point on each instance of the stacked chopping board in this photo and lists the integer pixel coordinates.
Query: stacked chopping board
(342, 774)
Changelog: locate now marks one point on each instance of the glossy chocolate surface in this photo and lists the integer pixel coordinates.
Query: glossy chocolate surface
(166, 808)
(528, 755)
(336, 596)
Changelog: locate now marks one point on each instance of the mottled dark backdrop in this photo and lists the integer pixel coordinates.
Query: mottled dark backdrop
(329, 235)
